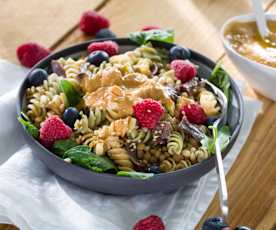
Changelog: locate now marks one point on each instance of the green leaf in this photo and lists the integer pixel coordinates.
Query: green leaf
(61, 146)
(222, 80)
(208, 144)
(222, 135)
(30, 128)
(142, 37)
(81, 155)
(78, 151)
(102, 163)
(136, 175)
(71, 93)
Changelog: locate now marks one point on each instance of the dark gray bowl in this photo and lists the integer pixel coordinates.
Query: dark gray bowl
(112, 184)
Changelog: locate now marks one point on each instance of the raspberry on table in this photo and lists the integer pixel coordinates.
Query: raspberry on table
(184, 70)
(194, 113)
(150, 27)
(31, 53)
(148, 112)
(110, 47)
(91, 22)
(151, 222)
(53, 129)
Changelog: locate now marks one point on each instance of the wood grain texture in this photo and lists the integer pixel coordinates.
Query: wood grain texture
(196, 22)
(251, 180)
(38, 20)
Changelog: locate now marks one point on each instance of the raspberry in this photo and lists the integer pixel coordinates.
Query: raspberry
(194, 113)
(110, 47)
(184, 70)
(146, 28)
(148, 112)
(31, 53)
(151, 222)
(91, 22)
(52, 129)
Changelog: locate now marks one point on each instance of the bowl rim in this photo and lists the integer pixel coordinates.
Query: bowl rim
(244, 18)
(79, 47)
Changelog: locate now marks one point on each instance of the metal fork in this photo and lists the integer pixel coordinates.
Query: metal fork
(223, 194)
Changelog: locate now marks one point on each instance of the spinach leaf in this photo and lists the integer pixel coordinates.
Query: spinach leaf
(142, 37)
(61, 146)
(71, 93)
(222, 80)
(81, 155)
(77, 150)
(30, 128)
(222, 135)
(136, 175)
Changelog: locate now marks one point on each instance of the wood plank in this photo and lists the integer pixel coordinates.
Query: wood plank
(38, 20)
(268, 221)
(196, 22)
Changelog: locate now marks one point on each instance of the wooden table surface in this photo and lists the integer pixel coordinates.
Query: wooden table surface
(252, 179)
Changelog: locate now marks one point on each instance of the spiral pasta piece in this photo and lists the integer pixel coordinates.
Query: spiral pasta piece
(71, 67)
(35, 109)
(57, 104)
(93, 141)
(195, 155)
(175, 143)
(139, 136)
(170, 164)
(129, 57)
(96, 117)
(121, 158)
(45, 99)
(117, 128)
(82, 125)
(147, 51)
(49, 86)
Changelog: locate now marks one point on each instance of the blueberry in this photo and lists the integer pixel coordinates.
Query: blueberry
(70, 115)
(105, 33)
(178, 52)
(214, 223)
(242, 228)
(37, 76)
(97, 57)
(154, 169)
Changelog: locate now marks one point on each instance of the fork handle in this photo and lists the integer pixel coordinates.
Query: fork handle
(222, 182)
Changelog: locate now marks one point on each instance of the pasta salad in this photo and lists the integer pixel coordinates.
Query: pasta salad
(135, 113)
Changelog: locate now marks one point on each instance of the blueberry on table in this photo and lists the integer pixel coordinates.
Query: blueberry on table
(37, 76)
(105, 33)
(70, 115)
(178, 52)
(242, 228)
(97, 57)
(214, 223)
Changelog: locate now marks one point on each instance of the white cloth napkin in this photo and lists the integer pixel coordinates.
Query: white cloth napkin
(33, 198)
